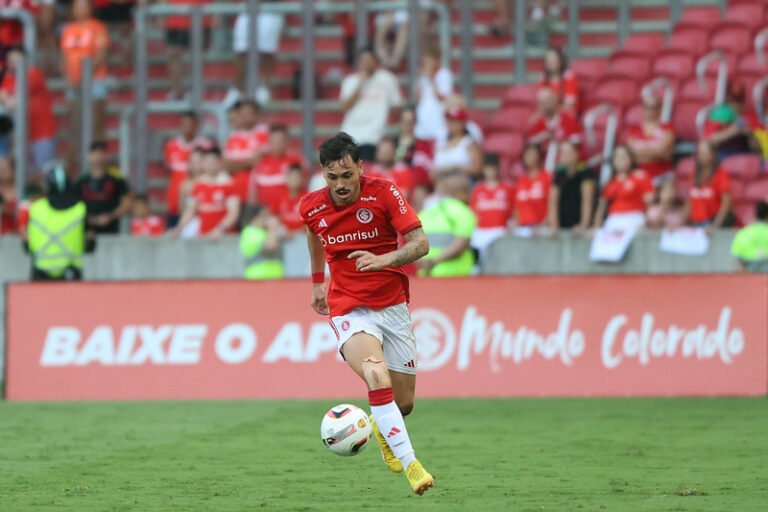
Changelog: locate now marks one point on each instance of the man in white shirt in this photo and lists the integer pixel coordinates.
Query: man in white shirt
(434, 87)
(367, 97)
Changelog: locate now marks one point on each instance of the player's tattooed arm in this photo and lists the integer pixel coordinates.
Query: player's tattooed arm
(415, 247)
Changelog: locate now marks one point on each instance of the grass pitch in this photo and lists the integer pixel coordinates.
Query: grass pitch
(486, 455)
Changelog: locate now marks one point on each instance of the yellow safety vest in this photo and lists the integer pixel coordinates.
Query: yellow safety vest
(443, 222)
(56, 238)
(258, 266)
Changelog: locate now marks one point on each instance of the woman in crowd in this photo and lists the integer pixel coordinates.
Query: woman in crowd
(560, 80)
(572, 198)
(532, 194)
(627, 196)
(459, 151)
(493, 202)
(435, 85)
(709, 200)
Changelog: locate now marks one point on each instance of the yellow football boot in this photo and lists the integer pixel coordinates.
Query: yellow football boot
(392, 462)
(418, 477)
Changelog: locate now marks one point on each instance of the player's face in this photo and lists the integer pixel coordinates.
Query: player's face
(343, 179)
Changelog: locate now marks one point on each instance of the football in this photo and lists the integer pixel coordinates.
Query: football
(345, 429)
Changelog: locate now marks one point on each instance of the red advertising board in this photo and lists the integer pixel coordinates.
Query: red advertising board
(489, 336)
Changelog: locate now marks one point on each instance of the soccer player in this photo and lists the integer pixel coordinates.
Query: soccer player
(353, 224)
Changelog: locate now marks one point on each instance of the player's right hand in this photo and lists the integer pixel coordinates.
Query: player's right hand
(319, 301)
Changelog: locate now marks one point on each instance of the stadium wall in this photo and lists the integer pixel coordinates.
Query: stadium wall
(699, 335)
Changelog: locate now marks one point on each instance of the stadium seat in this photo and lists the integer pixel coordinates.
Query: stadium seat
(633, 116)
(510, 119)
(684, 119)
(745, 16)
(743, 167)
(744, 211)
(738, 189)
(640, 45)
(699, 17)
(749, 80)
(690, 90)
(757, 189)
(620, 92)
(633, 67)
(588, 70)
(522, 94)
(731, 40)
(508, 145)
(675, 66)
(692, 40)
(749, 64)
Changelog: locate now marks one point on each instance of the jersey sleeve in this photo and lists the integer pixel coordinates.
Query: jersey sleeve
(400, 213)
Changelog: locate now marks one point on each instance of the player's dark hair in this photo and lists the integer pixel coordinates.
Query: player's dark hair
(761, 211)
(98, 145)
(279, 127)
(337, 148)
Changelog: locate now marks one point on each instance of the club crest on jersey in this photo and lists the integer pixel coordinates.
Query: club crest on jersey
(364, 215)
(345, 325)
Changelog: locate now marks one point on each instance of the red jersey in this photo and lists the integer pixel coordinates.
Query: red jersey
(401, 175)
(244, 144)
(8, 218)
(707, 197)
(628, 195)
(566, 88)
(42, 121)
(563, 125)
(148, 226)
(12, 31)
(289, 213)
(372, 224)
(644, 140)
(532, 198)
(493, 205)
(268, 178)
(211, 200)
(176, 159)
(22, 216)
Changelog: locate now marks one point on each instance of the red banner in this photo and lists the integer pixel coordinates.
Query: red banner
(512, 336)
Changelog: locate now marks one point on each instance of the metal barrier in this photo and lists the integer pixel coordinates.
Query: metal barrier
(305, 8)
(20, 131)
(30, 29)
(722, 73)
(611, 129)
(760, 40)
(668, 95)
(86, 111)
(758, 98)
(126, 138)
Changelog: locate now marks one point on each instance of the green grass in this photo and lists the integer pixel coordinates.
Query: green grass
(487, 455)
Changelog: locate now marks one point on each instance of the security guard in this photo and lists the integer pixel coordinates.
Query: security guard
(449, 224)
(750, 246)
(56, 237)
(260, 245)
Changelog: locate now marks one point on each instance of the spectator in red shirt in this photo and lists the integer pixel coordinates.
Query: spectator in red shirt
(288, 207)
(12, 31)
(652, 142)
(214, 205)
(177, 39)
(143, 222)
(8, 200)
(493, 201)
(267, 179)
(627, 196)
(709, 200)
(550, 123)
(560, 80)
(532, 195)
(195, 171)
(41, 119)
(176, 159)
(387, 167)
(246, 144)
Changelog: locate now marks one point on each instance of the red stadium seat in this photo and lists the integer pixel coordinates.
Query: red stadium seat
(757, 189)
(684, 119)
(690, 90)
(699, 17)
(732, 40)
(692, 40)
(744, 16)
(634, 67)
(507, 145)
(589, 70)
(620, 92)
(744, 211)
(640, 45)
(743, 167)
(749, 64)
(511, 119)
(676, 66)
(633, 116)
(749, 80)
(522, 94)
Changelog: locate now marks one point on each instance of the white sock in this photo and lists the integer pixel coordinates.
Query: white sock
(392, 427)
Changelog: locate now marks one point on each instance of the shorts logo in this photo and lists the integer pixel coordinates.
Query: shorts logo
(345, 325)
(364, 215)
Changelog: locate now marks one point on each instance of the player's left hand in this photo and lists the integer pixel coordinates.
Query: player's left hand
(367, 262)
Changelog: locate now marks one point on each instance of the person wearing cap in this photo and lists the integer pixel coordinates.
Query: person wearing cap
(260, 244)
(750, 245)
(56, 234)
(449, 225)
(730, 128)
(459, 152)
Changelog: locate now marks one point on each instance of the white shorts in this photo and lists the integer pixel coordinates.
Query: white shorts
(391, 326)
(269, 26)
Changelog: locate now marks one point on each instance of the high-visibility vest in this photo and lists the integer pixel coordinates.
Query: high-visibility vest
(56, 238)
(442, 222)
(258, 266)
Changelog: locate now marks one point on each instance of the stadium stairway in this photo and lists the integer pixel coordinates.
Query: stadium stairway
(493, 64)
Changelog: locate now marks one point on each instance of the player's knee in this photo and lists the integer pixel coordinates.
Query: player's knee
(406, 407)
(376, 374)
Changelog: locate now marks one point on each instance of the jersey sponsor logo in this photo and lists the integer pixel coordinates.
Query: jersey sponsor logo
(368, 198)
(323, 224)
(314, 211)
(364, 215)
(400, 199)
(348, 237)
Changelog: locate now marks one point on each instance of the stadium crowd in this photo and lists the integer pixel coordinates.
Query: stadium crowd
(438, 147)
